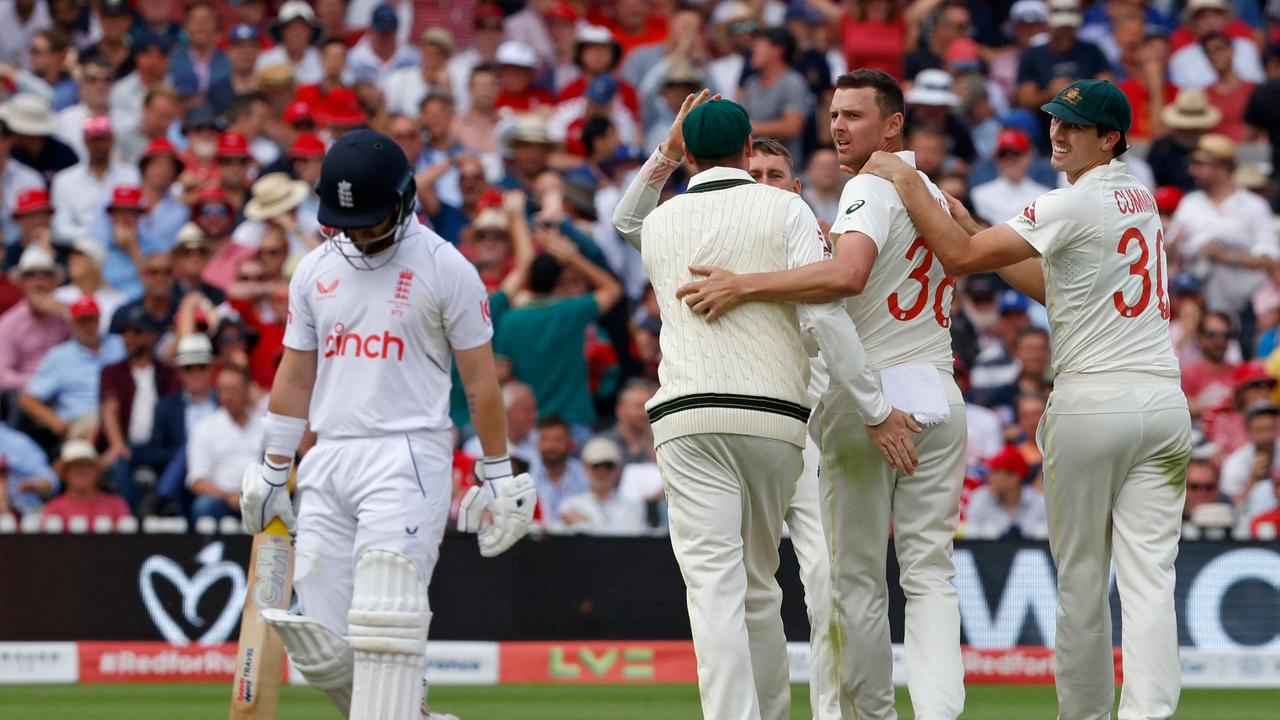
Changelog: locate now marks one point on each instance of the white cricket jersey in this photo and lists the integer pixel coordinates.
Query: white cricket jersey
(903, 314)
(1104, 273)
(384, 337)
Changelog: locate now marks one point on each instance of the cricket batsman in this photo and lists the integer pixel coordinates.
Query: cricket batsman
(1116, 434)
(376, 313)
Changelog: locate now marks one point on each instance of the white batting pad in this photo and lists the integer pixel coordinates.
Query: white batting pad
(387, 626)
(323, 658)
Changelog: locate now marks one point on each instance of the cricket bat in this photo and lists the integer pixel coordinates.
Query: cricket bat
(255, 688)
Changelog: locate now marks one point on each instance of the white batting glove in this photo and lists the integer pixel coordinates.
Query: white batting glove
(509, 501)
(264, 496)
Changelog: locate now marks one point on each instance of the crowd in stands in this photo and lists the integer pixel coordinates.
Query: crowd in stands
(158, 158)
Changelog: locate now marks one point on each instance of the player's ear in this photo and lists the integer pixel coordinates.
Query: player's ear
(893, 128)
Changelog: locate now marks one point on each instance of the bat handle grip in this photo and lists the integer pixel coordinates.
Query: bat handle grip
(276, 527)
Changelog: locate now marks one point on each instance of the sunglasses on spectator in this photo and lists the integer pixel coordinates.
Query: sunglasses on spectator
(1217, 334)
(194, 368)
(271, 252)
(495, 235)
(492, 27)
(478, 177)
(193, 250)
(39, 273)
(1202, 487)
(608, 465)
(233, 161)
(158, 271)
(97, 79)
(251, 278)
(1006, 154)
(215, 210)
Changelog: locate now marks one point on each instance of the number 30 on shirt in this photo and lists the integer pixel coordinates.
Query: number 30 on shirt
(1139, 268)
(921, 275)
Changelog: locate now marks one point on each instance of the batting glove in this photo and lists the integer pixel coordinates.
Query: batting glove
(264, 495)
(509, 501)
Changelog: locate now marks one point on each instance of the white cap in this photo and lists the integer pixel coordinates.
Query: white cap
(514, 52)
(1065, 18)
(34, 259)
(601, 450)
(90, 248)
(194, 349)
(78, 451)
(1029, 11)
(933, 87)
(594, 34)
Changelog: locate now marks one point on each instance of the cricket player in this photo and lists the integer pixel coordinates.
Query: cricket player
(375, 313)
(1116, 434)
(771, 164)
(900, 299)
(730, 418)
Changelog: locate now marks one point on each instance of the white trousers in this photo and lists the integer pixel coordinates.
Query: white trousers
(862, 494)
(390, 493)
(804, 520)
(1114, 488)
(727, 495)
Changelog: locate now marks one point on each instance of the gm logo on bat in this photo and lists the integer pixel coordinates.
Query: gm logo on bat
(273, 563)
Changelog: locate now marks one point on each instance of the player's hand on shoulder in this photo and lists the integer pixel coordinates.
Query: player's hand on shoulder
(264, 496)
(893, 438)
(719, 293)
(886, 165)
(500, 509)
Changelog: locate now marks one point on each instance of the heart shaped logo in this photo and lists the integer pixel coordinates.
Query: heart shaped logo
(213, 569)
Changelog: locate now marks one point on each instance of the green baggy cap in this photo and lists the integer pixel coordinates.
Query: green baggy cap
(716, 129)
(1093, 102)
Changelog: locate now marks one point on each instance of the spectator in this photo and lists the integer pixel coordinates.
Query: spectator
(359, 15)
(530, 146)
(1248, 473)
(545, 340)
(30, 480)
(1190, 67)
(602, 510)
(222, 445)
(448, 220)
(931, 105)
(1144, 55)
(632, 433)
(79, 192)
(29, 124)
(379, 53)
(874, 33)
(517, 64)
(1263, 115)
(156, 18)
(1228, 93)
(823, 183)
(776, 96)
(1224, 425)
(164, 211)
(1188, 118)
(1266, 525)
(248, 117)
(522, 422)
(1028, 409)
(1207, 382)
(487, 38)
(597, 54)
(128, 96)
(18, 21)
(950, 23)
(1005, 197)
(296, 30)
(406, 88)
(115, 19)
(62, 396)
(190, 258)
(276, 202)
(634, 25)
(1005, 508)
(558, 475)
(243, 48)
(1230, 228)
(15, 179)
(81, 472)
(995, 367)
(1045, 70)
(198, 59)
(1186, 294)
(476, 129)
(34, 326)
(95, 85)
(158, 301)
(33, 215)
(1202, 485)
(234, 161)
(1025, 25)
(116, 228)
(130, 390)
(84, 268)
(178, 413)
(160, 111)
(48, 50)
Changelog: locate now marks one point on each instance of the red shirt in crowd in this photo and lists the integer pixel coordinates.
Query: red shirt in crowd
(1183, 37)
(267, 352)
(626, 93)
(1231, 104)
(531, 99)
(1140, 102)
(100, 504)
(1271, 518)
(654, 31)
(335, 102)
(1208, 385)
(875, 45)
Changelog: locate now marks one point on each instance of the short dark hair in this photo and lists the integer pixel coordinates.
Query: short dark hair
(239, 370)
(240, 104)
(481, 69)
(781, 37)
(888, 91)
(594, 129)
(769, 146)
(436, 97)
(543, 274)
(1028, 332)
(1230, 321)
(333, 40)
(553, 420)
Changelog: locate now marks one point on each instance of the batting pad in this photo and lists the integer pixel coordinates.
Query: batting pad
(387, 627)
(323, 658)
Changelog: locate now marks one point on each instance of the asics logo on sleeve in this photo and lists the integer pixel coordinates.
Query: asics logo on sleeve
(344, 343)
(852, 208)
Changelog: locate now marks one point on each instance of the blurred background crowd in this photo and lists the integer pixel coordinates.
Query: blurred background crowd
(158, 157)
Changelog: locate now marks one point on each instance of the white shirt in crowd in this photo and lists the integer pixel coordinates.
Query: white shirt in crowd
(219, 449)
(15, 36)
(15, 178)
(1243, 221)
(1237, 467)
(78, 196)
(615, 515)
(1000, 199)
(986, 436)
(363, 64)
(385, 336)
(987, 519)
(142, 416)
(308, 71)
(1189, 67)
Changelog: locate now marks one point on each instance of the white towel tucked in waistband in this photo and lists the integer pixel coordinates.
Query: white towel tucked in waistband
(916, 389)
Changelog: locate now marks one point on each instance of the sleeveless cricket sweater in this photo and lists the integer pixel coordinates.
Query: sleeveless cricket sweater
(746, 372)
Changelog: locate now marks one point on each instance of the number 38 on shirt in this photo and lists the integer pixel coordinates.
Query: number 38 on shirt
(920, 274)
(1134, 303)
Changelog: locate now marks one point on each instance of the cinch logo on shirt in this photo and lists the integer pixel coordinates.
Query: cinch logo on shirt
(342, 343)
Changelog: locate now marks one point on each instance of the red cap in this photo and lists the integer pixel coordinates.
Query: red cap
(98, 125)
(233, 144)
(487, 11)
(307, 145)
(85, 307)
(210, 196)
(1249, 373)
(1009, 459)
(489, 198)
(1167, 199)
(1011, 139)
(962, 50)
(347, 112)
(160, 147)
(563, 12)
(33, 200)
(126, 197)
(297, 111)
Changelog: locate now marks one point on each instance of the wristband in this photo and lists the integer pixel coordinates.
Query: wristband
(282, 434)
(496, 467)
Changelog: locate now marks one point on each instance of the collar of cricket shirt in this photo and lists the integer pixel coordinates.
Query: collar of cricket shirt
(718, 178)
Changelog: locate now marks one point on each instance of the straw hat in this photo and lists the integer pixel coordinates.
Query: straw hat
(1191, 111)
(28, 114)
(275, 194)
